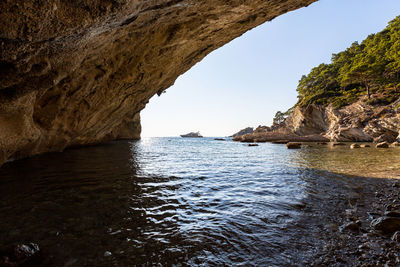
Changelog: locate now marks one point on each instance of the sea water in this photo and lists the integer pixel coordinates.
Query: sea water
(182, 201)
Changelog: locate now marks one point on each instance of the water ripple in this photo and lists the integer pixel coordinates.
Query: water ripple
(183, 202)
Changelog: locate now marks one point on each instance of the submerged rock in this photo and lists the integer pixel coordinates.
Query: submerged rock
(21, 255)
(252, 145)
(386, 224)
(291, 145)
(352, 226)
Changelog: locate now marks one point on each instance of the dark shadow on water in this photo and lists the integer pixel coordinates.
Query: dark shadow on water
(79, 204)
(84, 203)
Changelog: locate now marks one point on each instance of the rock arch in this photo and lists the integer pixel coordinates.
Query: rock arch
(79, 72)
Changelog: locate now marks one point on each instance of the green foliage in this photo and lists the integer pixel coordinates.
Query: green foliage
(281, 116)
(362, 69)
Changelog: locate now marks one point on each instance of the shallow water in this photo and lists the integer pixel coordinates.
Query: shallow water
(182, 201)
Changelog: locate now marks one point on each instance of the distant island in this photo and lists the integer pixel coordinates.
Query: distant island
(192, 134)
(354, 98)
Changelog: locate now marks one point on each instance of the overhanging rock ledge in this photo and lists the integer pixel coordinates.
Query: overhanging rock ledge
(79, 72)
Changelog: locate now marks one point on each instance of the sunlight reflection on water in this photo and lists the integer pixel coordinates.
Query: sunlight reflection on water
(183, 201)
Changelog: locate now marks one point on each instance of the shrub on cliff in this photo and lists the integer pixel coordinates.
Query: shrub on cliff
(370, 67)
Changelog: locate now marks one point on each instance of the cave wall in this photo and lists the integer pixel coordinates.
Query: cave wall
(79, 72)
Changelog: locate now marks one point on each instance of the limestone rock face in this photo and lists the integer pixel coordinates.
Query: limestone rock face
(79, 72)
(356, 122)
(307, 121)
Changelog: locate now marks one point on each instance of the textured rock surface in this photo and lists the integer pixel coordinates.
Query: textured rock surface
(356, 122)
(79, 72)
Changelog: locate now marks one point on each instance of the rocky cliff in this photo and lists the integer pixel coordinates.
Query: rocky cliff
(79, 72)
(359, 122)
(356, 122)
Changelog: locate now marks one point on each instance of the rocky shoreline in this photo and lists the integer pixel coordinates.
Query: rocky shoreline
(367, 232)
(358, 122)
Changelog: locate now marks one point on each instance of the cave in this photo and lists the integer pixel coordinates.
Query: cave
(77, 73)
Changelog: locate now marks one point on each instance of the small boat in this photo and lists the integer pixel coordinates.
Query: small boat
(192, 134)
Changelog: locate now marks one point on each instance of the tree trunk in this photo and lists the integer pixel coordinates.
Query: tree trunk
(367, 87)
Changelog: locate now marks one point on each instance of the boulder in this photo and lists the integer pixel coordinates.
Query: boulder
(365, 145)
(386, 225)
(252, 145)
(382, 145)
(353, 146)
(396, 143)
(292, 145)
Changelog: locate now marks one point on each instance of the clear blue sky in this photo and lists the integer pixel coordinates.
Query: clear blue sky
(246, 81)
